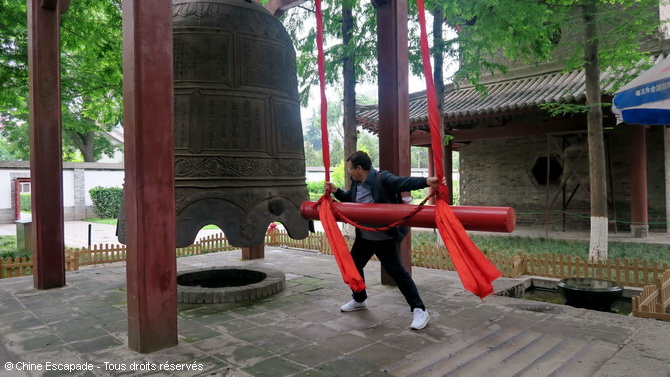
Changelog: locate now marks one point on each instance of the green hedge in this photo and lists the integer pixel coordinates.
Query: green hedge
(106, 201)
(26, 204)
(315, 190)
(315, 187)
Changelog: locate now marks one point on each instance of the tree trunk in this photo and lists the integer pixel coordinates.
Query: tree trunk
(349, 78)
(349, 99)
(85, 143)
(597, 177)
(438, 77)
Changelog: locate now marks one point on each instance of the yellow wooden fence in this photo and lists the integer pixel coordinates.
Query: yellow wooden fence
(10, 268)
(654, 301)
(635, 273)
(632, 273)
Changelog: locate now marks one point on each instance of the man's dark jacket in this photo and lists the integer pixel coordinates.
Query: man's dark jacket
(386, 188)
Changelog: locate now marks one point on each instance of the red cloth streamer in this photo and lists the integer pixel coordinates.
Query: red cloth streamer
(325, 146)
(348, 269)
(474, 269)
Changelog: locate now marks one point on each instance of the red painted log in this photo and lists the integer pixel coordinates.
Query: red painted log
(489, 219)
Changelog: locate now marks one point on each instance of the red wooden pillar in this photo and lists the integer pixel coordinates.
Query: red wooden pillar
(46, 165)
(149, 167)
(394, 146)
(638, 182)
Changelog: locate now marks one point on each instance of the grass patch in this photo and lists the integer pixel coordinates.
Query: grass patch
(513, 245)
(8, 248)
(102, 221)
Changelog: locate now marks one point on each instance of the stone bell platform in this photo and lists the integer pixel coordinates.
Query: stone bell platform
(301, 331)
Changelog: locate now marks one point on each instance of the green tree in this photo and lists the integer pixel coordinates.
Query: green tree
(605, 33)
(5, 154)
(313, 138)
(91, 77)
(360, 47)
(348, 30)
(369, 143)
(419, 157)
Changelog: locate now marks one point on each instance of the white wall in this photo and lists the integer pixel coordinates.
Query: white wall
(6, 188)
(68, 188)
(104, 178)
(75, 186)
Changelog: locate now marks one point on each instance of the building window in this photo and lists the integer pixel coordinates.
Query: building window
(25, 187)
(538, 170)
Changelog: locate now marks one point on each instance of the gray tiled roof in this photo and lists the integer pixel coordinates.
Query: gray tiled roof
(514, 95)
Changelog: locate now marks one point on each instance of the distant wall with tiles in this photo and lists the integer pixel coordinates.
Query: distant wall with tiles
(78, 179)
(499, 173)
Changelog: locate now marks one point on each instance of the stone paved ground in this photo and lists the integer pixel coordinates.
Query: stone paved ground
(301, 332)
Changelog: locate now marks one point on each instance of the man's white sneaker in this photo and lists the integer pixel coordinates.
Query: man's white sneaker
(420, 319)
(354, 305)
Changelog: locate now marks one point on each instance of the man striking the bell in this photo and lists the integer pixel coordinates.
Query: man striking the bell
(372, 186)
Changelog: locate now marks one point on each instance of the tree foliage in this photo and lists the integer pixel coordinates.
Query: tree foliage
(91, 76)
(300, 23)
(598, 35)
(496, 35)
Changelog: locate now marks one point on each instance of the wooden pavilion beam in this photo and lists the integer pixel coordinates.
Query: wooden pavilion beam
(46, 165)
(151, 265)
(511, 131)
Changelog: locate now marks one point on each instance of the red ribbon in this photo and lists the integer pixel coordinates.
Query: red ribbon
(475, 270)
(346, 264)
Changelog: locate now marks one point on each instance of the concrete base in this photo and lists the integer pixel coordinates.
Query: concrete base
(639, 231)
(24, 234)
(254, 252)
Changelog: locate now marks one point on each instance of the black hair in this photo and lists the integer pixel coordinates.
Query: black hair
(360, 158)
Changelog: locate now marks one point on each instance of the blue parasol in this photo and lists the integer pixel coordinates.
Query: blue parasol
(646, 99)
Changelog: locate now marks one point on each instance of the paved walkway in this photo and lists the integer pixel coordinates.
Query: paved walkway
(77, 233)
(301, 332)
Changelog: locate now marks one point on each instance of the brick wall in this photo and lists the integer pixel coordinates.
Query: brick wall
(496, 173)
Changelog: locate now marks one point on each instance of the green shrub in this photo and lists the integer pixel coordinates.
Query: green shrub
(106, 201)
(8, 248)
(315, 187)
(26, 204)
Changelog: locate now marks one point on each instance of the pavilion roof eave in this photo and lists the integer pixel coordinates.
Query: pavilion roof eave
(507, 97)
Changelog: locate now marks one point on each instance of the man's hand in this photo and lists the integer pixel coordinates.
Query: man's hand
(332, 186)
(432, 181)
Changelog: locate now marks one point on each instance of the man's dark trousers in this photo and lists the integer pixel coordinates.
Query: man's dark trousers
(387, 252)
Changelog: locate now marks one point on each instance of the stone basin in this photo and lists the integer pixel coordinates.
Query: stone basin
(228, 284)
(590, 293)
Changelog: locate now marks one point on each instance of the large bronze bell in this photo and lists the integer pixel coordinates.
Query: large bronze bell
(239, 157)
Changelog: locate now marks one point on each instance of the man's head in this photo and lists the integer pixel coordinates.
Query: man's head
(358, 165)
